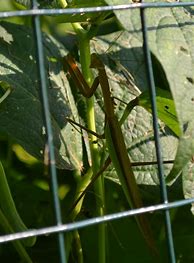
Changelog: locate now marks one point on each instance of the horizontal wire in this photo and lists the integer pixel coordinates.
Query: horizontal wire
(83, 10)
(93, 221)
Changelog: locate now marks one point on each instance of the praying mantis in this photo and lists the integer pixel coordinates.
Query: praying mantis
(114, 140)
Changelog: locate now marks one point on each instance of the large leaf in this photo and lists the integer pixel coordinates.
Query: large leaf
(20, 113)
(171, 39)
(137, 129)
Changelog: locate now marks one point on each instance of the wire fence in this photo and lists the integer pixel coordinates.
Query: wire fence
(60, 228)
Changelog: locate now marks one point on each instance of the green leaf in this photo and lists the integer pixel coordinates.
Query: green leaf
(43, 3)
(165, 106)
(121, 47)
(20, 113)
(171, 41)
(70, 18)
(23, 3)
(184, 153)
(138, 128)
(139, 137)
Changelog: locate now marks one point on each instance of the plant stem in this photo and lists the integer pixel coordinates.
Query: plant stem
(9, 209)
(78, 248)
(17, 244)
(85, 59)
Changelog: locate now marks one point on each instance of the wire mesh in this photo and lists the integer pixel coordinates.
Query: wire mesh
(60, 228)
(46, 112)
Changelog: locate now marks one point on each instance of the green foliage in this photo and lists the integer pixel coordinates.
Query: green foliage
(171, 41)
(24, 106)
(166, 108)
(42, 3)
(171, 45)
(9, 209)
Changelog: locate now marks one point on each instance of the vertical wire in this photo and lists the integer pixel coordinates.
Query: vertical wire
(46, 115)
(152, 89)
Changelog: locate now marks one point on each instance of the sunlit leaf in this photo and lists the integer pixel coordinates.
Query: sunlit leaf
(21, 113)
